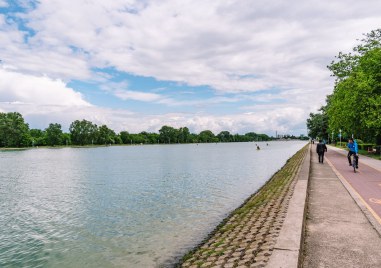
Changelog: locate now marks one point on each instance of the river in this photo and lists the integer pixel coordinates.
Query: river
(124, 206)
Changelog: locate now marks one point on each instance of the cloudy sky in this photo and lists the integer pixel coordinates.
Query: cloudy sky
(138, 65)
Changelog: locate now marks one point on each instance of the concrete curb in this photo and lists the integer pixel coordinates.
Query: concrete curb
(290, 241)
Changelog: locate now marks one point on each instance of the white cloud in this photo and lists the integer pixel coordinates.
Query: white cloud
(38, 90)
(135, 95)
(196, 42)
(43, 100)
(230, 46)
(3, 3)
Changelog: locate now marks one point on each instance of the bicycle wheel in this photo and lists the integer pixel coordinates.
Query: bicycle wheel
(354, 163)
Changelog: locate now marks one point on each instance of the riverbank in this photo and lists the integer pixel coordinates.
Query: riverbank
(133, 144)
(67, 146)
(247, 237)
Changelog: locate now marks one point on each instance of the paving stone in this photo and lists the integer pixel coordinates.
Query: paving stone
(211, 259)
(237, 254)
(247, 260)
(233, 260)
(206, 264)
(220, 262)
(229, 265)
(261, 258)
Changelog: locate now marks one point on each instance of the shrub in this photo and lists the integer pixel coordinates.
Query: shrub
(365, 146)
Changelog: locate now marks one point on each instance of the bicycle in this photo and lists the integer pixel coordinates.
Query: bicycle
(354, 162)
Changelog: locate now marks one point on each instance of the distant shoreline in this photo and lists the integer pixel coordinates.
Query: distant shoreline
(58, 147)
(112, 145)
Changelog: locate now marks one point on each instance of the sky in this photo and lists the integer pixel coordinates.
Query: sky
(241, 66)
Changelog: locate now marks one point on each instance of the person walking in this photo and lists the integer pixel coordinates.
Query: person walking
(353, 149)
(321, 148)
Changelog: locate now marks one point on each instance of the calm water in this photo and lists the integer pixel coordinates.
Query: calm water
(133, 206)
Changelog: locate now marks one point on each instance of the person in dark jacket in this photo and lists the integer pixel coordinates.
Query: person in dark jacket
(321, 148)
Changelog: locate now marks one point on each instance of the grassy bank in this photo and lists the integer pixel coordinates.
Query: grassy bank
(249, 233)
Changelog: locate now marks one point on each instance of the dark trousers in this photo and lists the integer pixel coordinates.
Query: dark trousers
(356, 158)
(321, 157)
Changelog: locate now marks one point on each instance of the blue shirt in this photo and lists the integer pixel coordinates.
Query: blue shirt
(353, 147)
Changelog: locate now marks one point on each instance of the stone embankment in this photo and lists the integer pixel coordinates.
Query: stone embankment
(248, 236)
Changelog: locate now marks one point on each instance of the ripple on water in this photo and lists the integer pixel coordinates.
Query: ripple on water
(135, 206)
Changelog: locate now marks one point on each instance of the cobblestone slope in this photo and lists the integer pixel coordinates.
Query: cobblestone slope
(247, 237)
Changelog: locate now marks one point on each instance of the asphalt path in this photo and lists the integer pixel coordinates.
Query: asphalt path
(343, 222)
(366, 182)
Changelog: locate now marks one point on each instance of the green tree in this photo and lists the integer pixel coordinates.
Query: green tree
(118, 139)
(237, 138)
(152, 137)
(263, 137)
(14, 132)
(193, 138)
(106, 135)
(225, 136)
(138, 138)
(125, 137)
(54, 135)
(66, 138)
(83, 132)
(37, 137)
(168, 134)
(370, 96)
(355, 105)
(317, 125)
(183, 135)
(149, 138)
(207, 136)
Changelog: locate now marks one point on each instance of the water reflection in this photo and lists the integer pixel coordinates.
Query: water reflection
(132, 206)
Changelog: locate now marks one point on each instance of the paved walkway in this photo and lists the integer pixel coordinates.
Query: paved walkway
(343, 213)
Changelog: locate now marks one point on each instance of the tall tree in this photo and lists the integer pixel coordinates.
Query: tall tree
(66, 138)
(168, 134)
(14, 132)
(54, 135)
(83, 132)
(37, 137)
(317, 125)
(207, 136)
(125, 137)
(183, 135)
(106, 135)
(355, 105)
(225, 136)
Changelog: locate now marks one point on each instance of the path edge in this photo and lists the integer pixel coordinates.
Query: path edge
(288, 249)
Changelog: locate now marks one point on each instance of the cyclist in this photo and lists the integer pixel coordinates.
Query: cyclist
(353, 149)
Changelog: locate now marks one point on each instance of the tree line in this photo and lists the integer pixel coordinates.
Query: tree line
(354, 107)
(15, 132)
